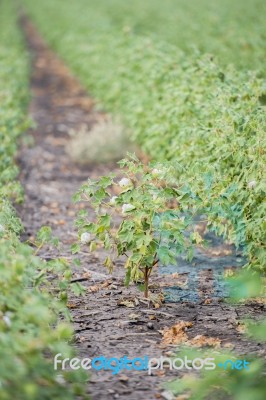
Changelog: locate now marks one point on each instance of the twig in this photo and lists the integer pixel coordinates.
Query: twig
(79, 279)
(157, 312)
(141, 333)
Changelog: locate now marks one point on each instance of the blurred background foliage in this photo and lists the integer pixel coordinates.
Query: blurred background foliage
(146, 62)
(30, 331)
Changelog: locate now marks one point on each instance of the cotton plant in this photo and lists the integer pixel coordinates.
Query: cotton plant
(154, 216)
(2, 230)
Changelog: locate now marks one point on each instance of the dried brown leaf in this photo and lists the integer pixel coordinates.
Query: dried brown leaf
(201, 340)
(126, 303)
(176, 333)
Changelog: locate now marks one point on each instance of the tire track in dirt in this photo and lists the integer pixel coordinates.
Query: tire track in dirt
(50, 178)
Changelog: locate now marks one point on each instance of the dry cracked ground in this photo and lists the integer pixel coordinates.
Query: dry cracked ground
(112, 320)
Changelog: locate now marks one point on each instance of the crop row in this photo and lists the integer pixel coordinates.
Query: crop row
(180, 106)
(29, 332)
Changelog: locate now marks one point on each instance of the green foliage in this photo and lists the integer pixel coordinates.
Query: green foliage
(233, 31)
(150, 231)
(246, 284)
(180, 106)
(231, 384)
(30, 333)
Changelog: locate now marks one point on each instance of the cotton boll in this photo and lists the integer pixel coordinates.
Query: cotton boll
(252, 184)
(156, 172)
(60, 379)
(85, 238)
(113, 200)
(127, 207)
(125, 182)
(7, 320)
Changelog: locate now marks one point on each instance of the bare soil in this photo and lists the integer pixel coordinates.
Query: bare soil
(112, 320)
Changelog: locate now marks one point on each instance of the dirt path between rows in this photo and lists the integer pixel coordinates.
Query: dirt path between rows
(103, 325)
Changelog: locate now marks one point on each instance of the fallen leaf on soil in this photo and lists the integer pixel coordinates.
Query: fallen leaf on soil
(168, 281)
(217, 251)
(71, 213)
(169, 354)
(136, 301)
(105, 284)
(256, 300)
(126, 303)
(201, 340)
(94, 289)
(241, 328)
(182, 284)
(123, 378)
(157, 299)
(176, 334)
(72, 305)
(86, 275)
(134, 316)
(228, 345)
(82, 339)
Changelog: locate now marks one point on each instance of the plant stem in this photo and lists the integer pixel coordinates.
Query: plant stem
(146, 282)
(147, 271)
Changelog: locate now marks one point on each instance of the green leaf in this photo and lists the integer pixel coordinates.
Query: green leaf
(78, 289)
(105, 220)
(105, 181)
(108, 263)
(164, 255)
(75, 248)
(44, 234)
(128, 276)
